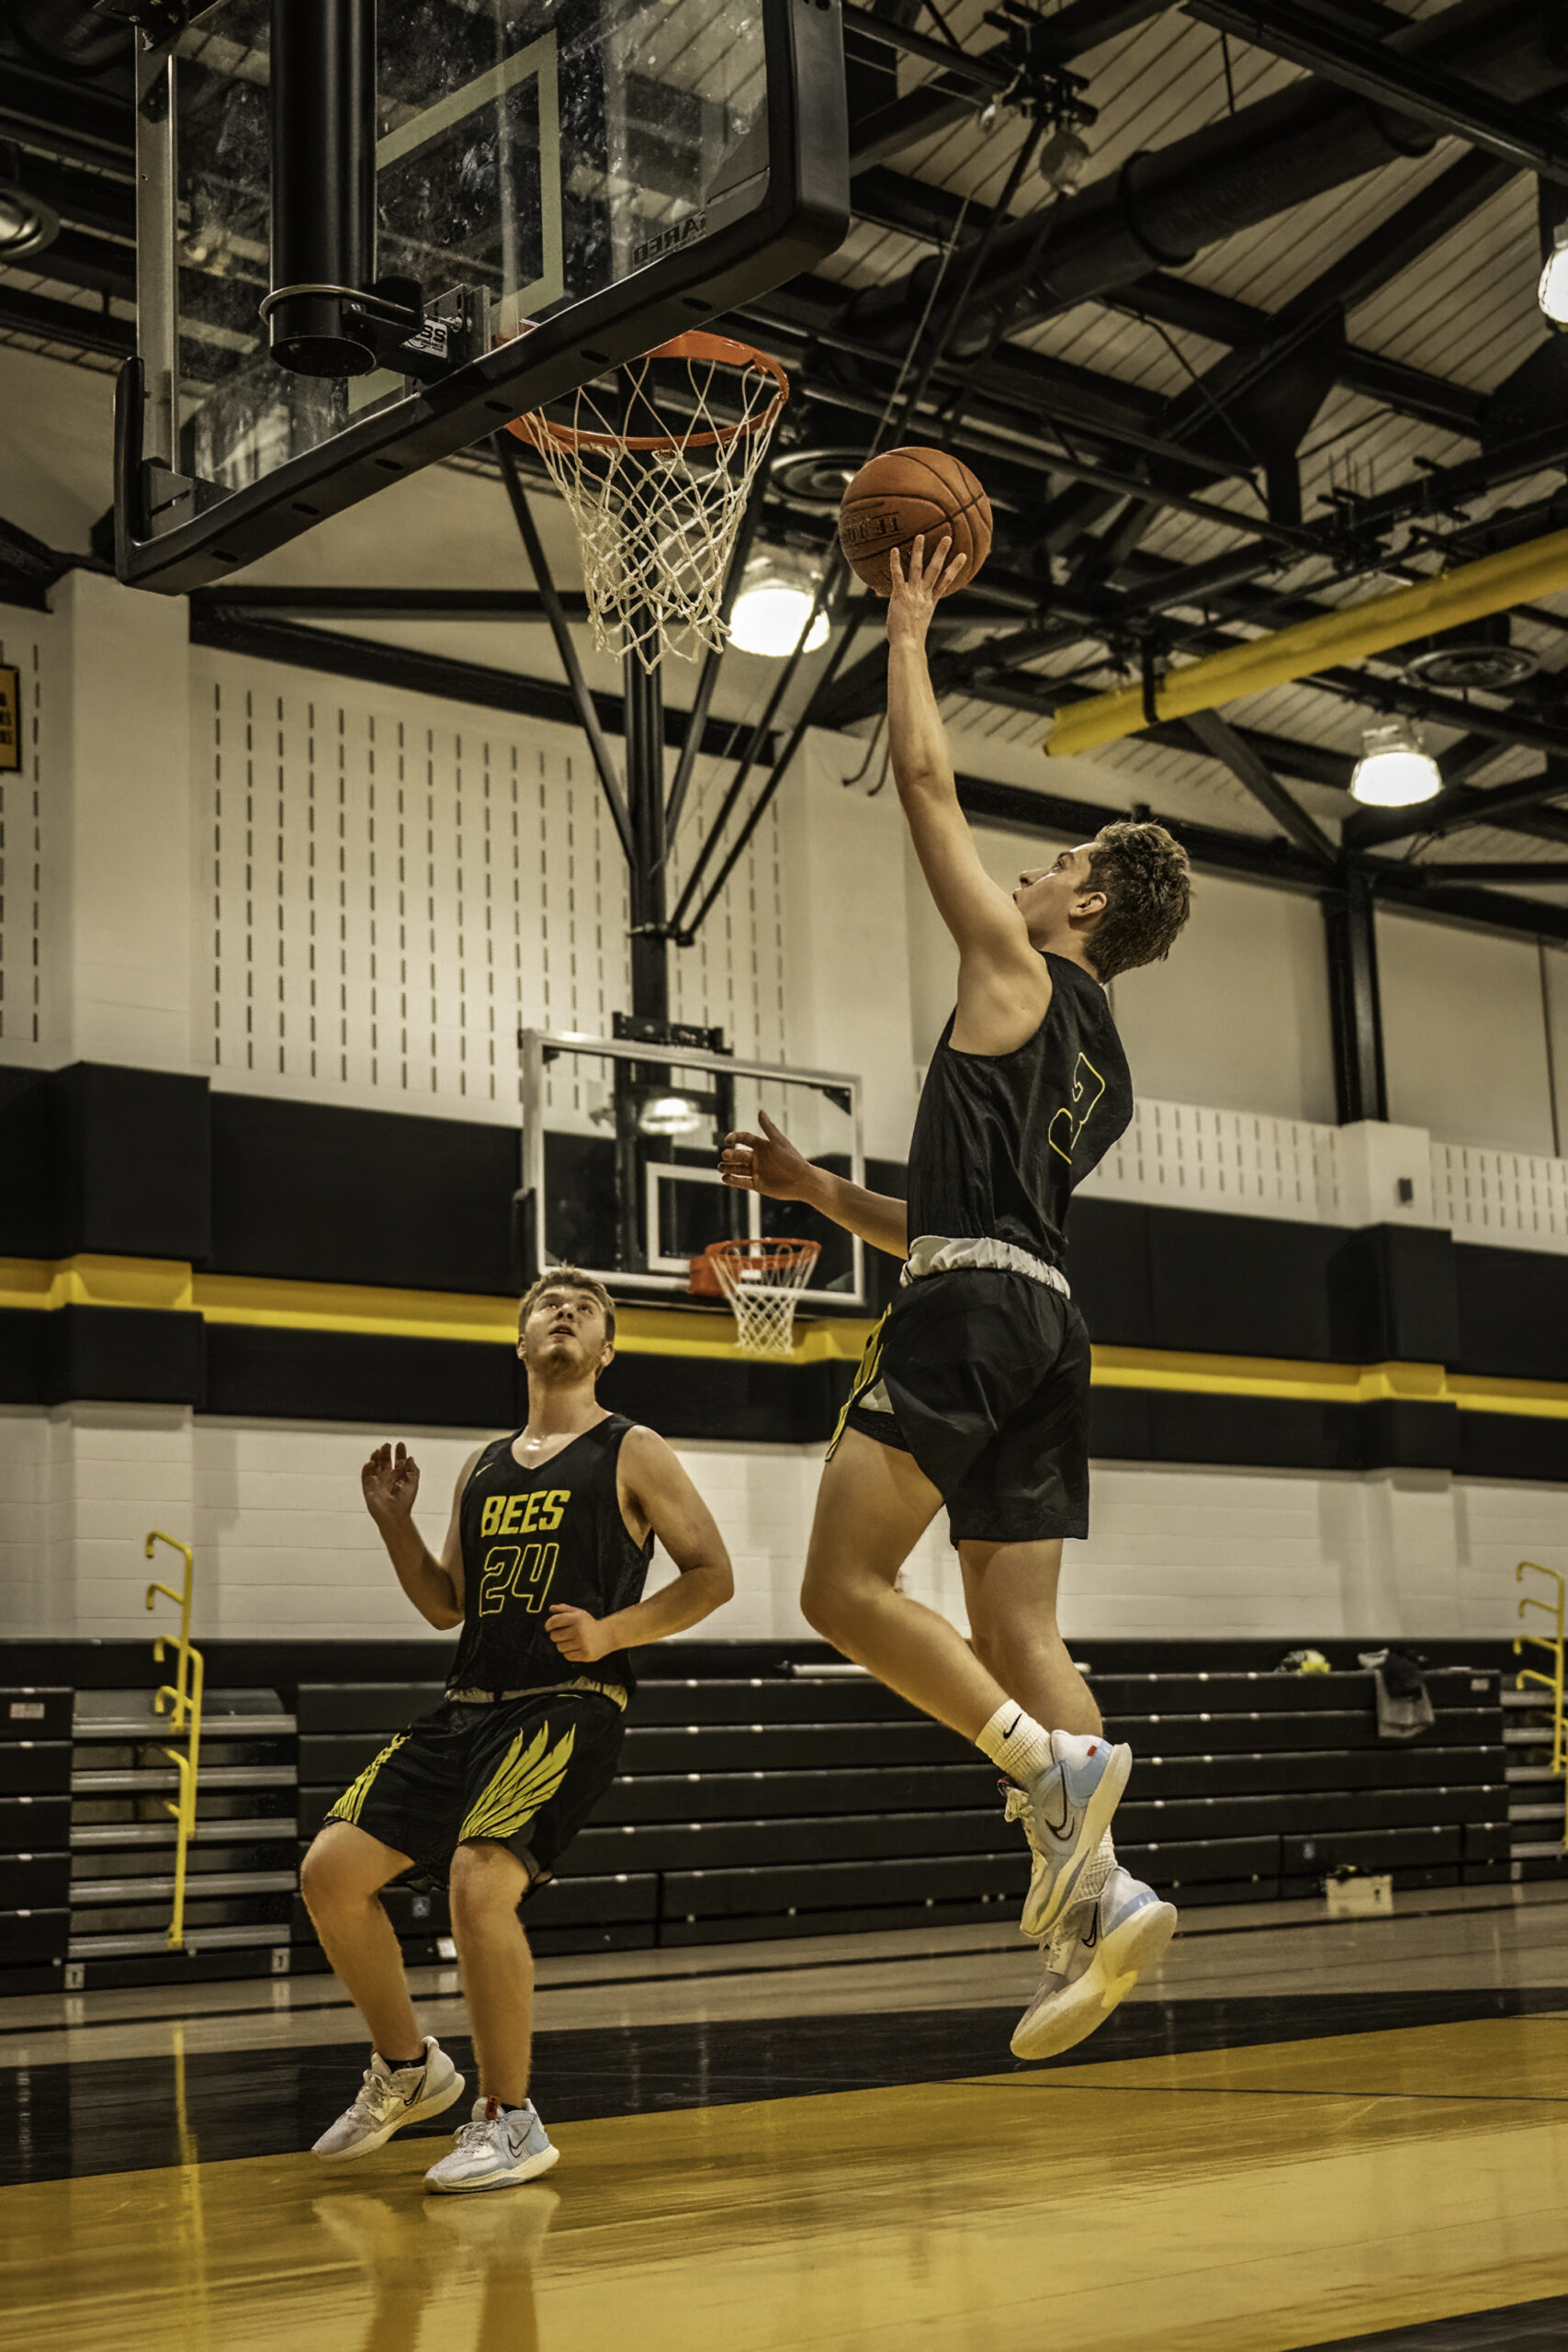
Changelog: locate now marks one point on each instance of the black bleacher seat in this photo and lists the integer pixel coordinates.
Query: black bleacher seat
(35, 1829)
(775, 1803)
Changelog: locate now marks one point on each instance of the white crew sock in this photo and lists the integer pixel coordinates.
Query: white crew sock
(1016, 1745)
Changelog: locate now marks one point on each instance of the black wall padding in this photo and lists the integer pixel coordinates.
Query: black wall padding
(1513, 1312)
(706, 1396)
(1512, 1445)
(1398, 1295)
(96, 1158)
(1297, 1433)
(127, 1355)
(1194, 1280)
(320, 1193)
(266, 1374)
(263, 1372)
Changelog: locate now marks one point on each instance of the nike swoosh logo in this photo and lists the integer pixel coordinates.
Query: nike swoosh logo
(1060, 1828)
(1091, 1937)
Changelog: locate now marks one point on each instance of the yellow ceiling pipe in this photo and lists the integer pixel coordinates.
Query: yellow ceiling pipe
(1466, 594)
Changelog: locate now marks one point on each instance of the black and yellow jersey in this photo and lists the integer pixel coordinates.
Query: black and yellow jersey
(533, 1539)
(1001, 1139)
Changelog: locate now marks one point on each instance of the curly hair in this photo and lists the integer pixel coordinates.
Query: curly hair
(1148, 896)
(568, 1278)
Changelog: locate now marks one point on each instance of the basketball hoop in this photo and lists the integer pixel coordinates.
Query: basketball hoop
(657, 511)
(763, 1281)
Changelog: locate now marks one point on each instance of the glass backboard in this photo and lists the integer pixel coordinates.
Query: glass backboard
(569, 182)
(620, 1152)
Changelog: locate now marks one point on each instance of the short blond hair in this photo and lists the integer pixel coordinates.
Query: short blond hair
(568, 1278)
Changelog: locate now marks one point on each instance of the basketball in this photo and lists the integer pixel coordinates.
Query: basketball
(903, 492)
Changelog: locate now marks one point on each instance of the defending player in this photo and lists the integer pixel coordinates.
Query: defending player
(543, 1568)
(974, 1390)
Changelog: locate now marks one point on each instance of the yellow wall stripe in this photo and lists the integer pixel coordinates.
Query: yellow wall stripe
(382, 1314)
(673, 1332)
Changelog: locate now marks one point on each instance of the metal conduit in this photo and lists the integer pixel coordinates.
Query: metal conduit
(1538, 568)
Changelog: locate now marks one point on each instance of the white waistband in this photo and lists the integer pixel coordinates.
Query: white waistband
(931, 1254)
(611, 1690)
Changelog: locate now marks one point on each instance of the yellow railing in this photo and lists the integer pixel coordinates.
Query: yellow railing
(182, 1699)
(1552, 1644)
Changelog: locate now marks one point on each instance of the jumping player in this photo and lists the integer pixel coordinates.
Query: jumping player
(974, 1389)
(543, 1568)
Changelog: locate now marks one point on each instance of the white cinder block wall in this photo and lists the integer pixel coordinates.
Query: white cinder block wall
(285, 1548)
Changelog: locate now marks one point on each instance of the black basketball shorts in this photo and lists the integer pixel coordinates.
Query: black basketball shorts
(524, 1772)
(986, 1373)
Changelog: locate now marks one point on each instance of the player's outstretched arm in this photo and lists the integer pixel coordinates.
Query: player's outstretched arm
(1004, 984)
(770, 1164)
(655, 1493)
(391, 1484)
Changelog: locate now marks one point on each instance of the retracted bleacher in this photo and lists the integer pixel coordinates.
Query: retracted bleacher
(772, 1794)
(761, 1797)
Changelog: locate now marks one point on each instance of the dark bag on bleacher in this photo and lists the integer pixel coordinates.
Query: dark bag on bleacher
(1405, 1711)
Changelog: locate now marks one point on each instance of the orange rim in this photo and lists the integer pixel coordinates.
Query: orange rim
(717, 350)
(767, 1257)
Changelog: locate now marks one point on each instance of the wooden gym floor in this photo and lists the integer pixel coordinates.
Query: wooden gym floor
(1300, 2135)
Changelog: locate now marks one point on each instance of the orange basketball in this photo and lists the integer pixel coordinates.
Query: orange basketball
(905, 492)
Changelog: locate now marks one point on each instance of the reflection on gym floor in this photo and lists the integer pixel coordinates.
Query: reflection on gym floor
(1257, 2174)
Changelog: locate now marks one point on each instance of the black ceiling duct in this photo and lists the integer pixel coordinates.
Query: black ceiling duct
(1168, 205)
(69, 34)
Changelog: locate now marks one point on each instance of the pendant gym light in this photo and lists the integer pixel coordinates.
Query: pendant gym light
(770, 610)
(1553, 291)
(1394, 771)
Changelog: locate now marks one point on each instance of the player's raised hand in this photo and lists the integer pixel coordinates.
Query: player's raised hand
(576, 1633)
(391, 1482)
(913, 596)
(768, 1163)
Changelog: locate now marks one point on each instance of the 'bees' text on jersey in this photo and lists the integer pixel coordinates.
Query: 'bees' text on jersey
(535, 1538)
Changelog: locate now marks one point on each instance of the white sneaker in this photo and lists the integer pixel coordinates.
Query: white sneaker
(1066, 1814)
(1092, 1962)
(388, 2100)
(499, 2148)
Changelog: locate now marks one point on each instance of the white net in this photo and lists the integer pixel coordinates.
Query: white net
(763, 1281)
(655, 467)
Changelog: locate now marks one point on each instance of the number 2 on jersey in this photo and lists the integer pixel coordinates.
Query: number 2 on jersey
(1069, 1123)
(521, 1572)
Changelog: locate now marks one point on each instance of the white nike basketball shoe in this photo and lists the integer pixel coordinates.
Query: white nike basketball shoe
(1065, 1812)
(1096, 1955)
(389, 2099)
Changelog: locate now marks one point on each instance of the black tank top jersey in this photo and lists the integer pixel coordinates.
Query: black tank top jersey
(1001, 1139)
(532, 1539)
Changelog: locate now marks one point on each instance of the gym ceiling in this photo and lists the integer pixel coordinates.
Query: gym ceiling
(1234, 310)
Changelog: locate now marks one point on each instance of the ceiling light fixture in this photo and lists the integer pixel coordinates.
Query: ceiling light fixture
(1553, 291)
(26, 223)
(1394, 771)
(776, 595)
(670, 1115)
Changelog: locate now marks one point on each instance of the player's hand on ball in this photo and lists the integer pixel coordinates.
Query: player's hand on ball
(913, 597)
(768, 1163)
(391, 1482)
(575, 1635)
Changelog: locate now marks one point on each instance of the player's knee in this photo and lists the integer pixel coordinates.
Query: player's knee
(828, 1602)
(326, 1882)
(486, 1883)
